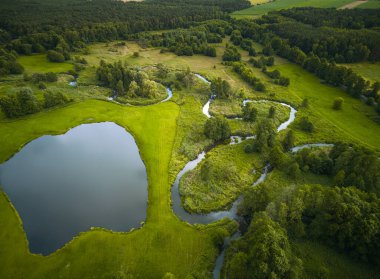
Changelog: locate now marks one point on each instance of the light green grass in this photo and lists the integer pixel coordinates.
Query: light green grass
(38, 63)
(286, 4)
(231, 171)
(164, 244)
(351, 124)
(369, 71)
(371, 4)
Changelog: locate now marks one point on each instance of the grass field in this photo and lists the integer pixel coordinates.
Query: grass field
(369, 71)
(286, 4)
(149, 252)
(352, 123)
(370, 4)
(231, 171)
(39, 64)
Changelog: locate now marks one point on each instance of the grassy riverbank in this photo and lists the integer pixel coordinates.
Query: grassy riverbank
(158, 246)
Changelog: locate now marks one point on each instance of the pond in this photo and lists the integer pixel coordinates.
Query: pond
(92, 176)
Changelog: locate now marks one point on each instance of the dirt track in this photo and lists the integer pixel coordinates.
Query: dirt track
(353, 4)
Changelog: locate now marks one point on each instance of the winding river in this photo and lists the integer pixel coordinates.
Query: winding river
(218, 215)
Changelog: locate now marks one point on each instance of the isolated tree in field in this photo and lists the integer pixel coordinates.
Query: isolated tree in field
(338, 103)
(249, 112)
(217, 128)
(221, 88)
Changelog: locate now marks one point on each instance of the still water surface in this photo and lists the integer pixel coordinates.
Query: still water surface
(92, 176)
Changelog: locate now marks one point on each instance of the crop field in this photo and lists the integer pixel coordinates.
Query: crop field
(286, 4)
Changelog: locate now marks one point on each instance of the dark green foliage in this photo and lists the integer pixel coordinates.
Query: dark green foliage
(217, 129)
(48, 77)
(345, 18)
(126, 81)
(53, 99)
(55, 56)
(262, 62)
(248, 75)
(263, 252)
(187, 42)
(221, 88)
(265, 136)
(186, 78)
(288, 141)
(231, 54)
(236, 37)
(277, 157)
(344, 218)
(272, 112)
(8, 63)
(22, 103)
(305, 103)
(361, 167)
(249, 112)
(306, 125)
(338, 103)
(64, 26)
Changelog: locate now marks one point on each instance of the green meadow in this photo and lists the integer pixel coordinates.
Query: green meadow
(169, 135)
(154, 249)
(38, 63)
(262, 9)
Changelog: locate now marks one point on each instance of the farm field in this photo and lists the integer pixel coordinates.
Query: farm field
(286, 4)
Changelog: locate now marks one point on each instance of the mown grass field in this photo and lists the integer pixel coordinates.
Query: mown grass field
(38, 63)
(149, 252)
(262, 9)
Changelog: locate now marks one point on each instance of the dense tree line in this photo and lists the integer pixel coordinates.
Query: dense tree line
(231, 53)
(217, 129)
(185, 42)
(64, 26)
(327, 70)
(9, 64)
(347, 219)
(348, 166)
(263, 252)
(24, 102)
(126, 81)
(345, 18)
